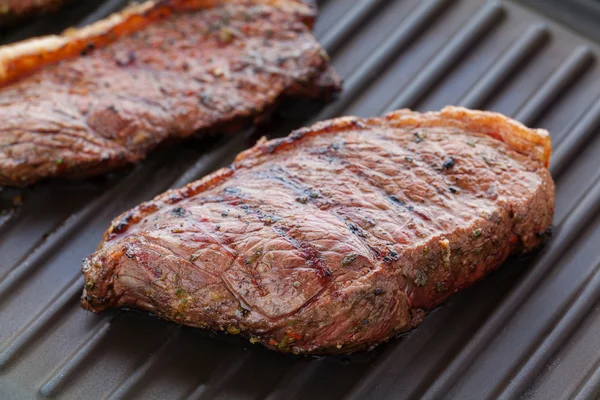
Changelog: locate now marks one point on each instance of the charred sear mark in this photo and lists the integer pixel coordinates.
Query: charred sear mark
(233, 196)
(208, 101)
(396, 200)
(236, 198)
(309, 254)
(392, 255)
(179, 212)
(337, 145)
(355, 229)
(282, 175)
(232, 190)
(274, 145)
(87, 49)
(448, 163)
(122, 225)
(401, 203)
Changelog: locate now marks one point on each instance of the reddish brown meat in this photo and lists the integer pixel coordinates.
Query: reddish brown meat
(337, 237)
(199, 67)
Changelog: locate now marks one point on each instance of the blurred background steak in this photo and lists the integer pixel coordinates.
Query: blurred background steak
(209, 69)
(337, 237)
(12, 11)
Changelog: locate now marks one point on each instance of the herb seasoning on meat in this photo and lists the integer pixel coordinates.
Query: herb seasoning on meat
(310, 280)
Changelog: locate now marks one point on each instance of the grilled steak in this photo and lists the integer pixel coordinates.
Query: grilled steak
(194, 66)
(337, 237)
(14, 10)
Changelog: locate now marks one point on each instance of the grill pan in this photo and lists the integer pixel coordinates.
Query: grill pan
(528, 330)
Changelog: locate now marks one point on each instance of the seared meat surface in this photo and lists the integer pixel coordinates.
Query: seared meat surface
(337, 237)
(13, 10)
(212, 67)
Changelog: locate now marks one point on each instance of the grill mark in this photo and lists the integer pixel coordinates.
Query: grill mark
(390, 198)
(359, 172)
(290, 182)
(351, 224)
(364, 239)
(287, 180)
(308, 253)
(235, 198)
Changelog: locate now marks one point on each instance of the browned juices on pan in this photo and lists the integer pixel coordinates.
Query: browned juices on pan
(337, 237)
(95, 99)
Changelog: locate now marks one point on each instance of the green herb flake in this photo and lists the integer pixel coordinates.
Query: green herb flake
(314, 195)
(226, 35)
(284, 343)
(89, 285)
(349, 259)
(419, 137)
(476, 233)
(59, 161)
(233, 330)
(178, 292)
(254, 257)
(302, 200)
(421, 278)
(426, 249)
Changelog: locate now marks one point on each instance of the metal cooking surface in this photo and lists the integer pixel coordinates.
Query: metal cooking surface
(531, 328)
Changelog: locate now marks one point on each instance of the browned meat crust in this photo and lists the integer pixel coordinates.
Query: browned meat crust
(179, 67)
(339, 236)
(12, 11)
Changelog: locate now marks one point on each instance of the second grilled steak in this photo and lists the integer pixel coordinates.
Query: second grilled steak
(14, 10)
(337, 237)
(213, 68)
